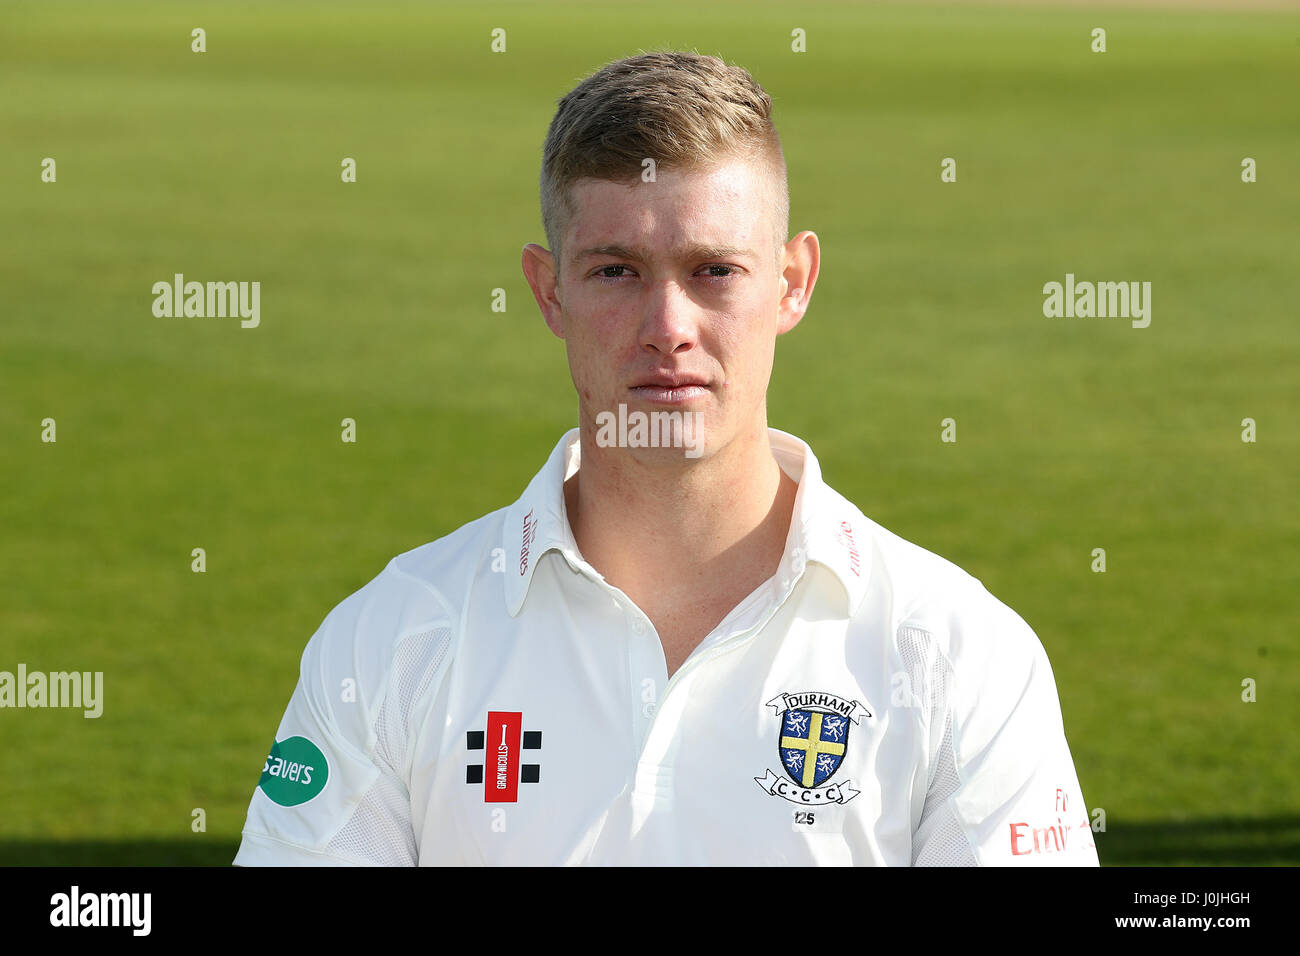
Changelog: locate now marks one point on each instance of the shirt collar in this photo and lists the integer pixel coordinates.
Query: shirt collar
(825, 527)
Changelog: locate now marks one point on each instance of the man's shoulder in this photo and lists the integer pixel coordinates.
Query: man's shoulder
(916, 576)
(959, 642)
(934, 596)
(449, 566)
(383, 647)
(418, 593)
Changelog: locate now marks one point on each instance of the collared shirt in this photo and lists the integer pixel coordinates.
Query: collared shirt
(490, 699)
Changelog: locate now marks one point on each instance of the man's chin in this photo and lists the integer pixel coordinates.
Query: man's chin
(653, 432)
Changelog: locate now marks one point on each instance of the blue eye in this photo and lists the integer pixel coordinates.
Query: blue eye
(710, 272)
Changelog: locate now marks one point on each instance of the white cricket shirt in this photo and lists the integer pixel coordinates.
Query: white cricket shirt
(490, 699)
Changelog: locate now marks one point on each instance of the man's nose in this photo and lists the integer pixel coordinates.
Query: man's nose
(670, 323)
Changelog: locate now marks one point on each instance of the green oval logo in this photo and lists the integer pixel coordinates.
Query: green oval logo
(295, 771)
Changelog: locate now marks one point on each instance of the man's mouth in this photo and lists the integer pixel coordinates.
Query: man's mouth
(670, 389)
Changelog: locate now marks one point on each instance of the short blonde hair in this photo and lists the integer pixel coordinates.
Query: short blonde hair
(683, 110)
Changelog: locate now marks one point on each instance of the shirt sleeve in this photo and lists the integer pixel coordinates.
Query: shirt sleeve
(334, 788)
(1003, 791)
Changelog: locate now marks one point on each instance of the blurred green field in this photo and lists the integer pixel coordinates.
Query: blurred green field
(1073, 434)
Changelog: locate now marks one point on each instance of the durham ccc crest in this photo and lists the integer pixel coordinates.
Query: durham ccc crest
(811, 744)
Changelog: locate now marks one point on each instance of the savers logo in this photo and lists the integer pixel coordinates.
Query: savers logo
(295, 771)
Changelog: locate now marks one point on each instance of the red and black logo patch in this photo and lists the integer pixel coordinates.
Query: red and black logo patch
(503, 768)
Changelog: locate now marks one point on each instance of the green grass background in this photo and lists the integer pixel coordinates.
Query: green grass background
(1072, 433)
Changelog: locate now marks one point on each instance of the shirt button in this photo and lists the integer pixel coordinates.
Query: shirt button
(637, 626)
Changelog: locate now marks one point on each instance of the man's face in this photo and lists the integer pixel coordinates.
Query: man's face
(670, 297)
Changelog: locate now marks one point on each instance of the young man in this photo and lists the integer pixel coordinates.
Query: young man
(679, 646)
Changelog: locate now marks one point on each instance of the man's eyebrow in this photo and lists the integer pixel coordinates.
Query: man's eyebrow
(689, 252)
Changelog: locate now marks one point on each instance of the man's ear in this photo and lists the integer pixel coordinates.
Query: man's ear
(802, 259)
(539, 270)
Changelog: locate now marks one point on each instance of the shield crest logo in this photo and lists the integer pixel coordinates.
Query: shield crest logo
(812, 745)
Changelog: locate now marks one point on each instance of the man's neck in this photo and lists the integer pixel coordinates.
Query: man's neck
(686, 539)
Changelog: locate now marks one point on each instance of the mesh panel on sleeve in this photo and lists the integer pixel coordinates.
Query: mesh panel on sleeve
(939, 835)
(943, 841)
(927, 670)
(415, 662)
(947, 845)
(379, 830)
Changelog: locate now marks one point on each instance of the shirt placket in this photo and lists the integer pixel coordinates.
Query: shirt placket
(655, 764)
